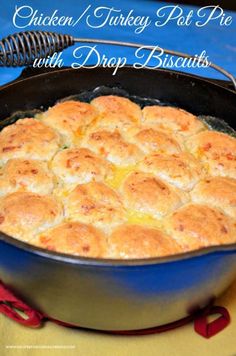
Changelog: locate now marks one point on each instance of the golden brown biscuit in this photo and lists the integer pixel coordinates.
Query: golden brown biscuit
(80, 165)
(95, 203)
(73, 238)
(194, 226)
(217, 191)
(150, 140)
(69, 118)
(180, 169)
(21, 174)
(216, 149)
(145, 193)
(135, 241)
(113, 147)
(116, 112)
(171, 118)
(28, 139)
(24, 214)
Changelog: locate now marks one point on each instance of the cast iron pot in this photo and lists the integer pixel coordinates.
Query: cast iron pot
(114, 294)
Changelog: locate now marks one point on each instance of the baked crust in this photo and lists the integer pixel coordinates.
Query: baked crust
(116, 112)
(107, 179)
(28, 138)
(74, 238)
(135, 241)
(217, 150)
(113, 147)
(80, 165)
(181, 169)
(153, 140)
(95, 203)
(194, 226)
(145, 193)
(24, 214)
(20, 174)
(173, 119)
(70, 118)
(219, 192)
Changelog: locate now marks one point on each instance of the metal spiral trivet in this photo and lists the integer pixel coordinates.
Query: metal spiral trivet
(21, 49)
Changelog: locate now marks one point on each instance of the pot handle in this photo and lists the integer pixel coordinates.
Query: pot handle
(10, 303)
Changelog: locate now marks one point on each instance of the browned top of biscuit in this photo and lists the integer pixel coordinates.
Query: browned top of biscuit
(116, 112)
(21, 174)
(194, 226)
(217, 149)
(28, 138)
(74, 238)
(69, 118)
(80, 165)
(23, 214)
(113, 147)
(135, 241)
(217, 191)
(153, 140)
(95, 203)
(148, 194)
(174, 119)
(180, 169)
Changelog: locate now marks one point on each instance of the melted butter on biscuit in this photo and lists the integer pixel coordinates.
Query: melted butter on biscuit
(134, 217)
(119, 174)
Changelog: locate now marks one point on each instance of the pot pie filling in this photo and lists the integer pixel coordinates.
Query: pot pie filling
(111, 180)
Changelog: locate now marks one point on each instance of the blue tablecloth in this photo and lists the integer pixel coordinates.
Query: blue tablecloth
(220, 42)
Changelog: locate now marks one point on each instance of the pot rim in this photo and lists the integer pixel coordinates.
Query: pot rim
(108, 262)
(40, 72)
(102, 262)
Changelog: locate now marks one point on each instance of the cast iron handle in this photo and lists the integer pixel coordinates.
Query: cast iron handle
(23, 48)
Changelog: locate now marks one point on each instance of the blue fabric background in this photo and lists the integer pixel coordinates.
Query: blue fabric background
(220, 42)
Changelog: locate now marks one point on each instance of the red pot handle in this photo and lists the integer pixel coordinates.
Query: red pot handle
(10, 305)
(209, 329)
